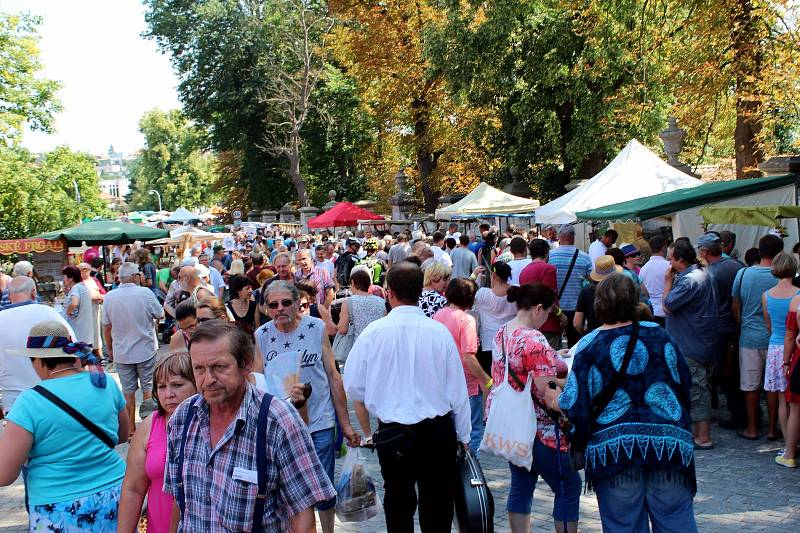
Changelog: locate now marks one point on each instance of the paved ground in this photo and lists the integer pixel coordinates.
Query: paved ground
(739, 489)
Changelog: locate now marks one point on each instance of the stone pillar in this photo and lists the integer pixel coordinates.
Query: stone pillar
(306, 213)
(402, 203)
(253, 215)
(269, 216)
(287, 214)
(516, 187)
(673, 137)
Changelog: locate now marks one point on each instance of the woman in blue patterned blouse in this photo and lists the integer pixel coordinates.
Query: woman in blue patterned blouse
(639, 449)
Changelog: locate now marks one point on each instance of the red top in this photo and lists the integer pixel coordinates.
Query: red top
(542, 272)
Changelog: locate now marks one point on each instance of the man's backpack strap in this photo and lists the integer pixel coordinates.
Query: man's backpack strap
(180, 498)
(261, 462)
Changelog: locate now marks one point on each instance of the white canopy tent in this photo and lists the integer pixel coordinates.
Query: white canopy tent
(636, 172)
(485, 200)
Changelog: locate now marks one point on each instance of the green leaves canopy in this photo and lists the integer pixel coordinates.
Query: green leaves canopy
(172, 163)
(24, 97)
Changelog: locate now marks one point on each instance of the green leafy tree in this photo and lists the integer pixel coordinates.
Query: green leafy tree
(225, 53)
(38, 196)
(571, 83)
(172, 162)
(25, 98)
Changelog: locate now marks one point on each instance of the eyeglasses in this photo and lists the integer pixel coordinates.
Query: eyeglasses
(281, 303)
(304, 306)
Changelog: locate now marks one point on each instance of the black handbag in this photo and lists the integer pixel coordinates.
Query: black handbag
(474, 505)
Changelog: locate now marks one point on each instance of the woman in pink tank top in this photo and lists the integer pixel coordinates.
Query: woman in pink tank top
(173, 382)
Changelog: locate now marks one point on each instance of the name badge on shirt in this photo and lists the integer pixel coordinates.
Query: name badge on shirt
(242, 474)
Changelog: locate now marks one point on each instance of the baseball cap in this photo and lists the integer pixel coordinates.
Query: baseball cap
(708, 239)
(351, 242)
(566, 229)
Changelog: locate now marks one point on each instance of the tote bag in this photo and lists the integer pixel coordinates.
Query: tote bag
(342, 344)
(511, 426)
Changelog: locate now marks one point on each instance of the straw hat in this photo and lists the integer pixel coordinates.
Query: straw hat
(46, 340)
(604, 266)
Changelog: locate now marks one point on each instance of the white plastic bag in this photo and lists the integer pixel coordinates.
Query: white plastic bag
(356, 496)
(511, 426)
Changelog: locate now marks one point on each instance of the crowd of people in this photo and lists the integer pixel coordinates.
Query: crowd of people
(624, 348)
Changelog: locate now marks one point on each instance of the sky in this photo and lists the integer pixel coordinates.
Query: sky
(110, 75)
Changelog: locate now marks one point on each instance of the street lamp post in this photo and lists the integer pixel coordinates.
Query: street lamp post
(153, 191)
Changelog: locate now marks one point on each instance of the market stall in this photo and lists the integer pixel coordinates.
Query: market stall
(486, 201)
(681, 209)
(342, 215)
(636, 172)
(48, 258)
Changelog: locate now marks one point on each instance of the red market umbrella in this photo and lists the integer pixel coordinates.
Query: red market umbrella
(342, 214)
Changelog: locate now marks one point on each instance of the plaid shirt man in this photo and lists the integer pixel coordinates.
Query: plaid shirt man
(321, 279)
(220, 484)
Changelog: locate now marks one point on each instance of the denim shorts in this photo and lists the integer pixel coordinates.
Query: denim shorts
(545, 464)
(324, 446)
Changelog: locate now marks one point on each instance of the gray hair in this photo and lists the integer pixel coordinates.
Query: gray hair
(281, 285)
(22, 268)
(128, 270)
(21, 285)
(304, 251)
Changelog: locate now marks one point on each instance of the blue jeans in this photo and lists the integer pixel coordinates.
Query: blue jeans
(476, 411)
(545, 464)
(626, 506)
(324, 446)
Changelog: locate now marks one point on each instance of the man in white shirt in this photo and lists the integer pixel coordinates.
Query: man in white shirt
(601, 245)
(438, 250)
(129, 312)
(405, 370)
(452, 231)
(519, 249)
(652, 275)
(17, 373)
(323, 261)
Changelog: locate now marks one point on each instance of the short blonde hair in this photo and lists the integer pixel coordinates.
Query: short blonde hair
(435, 272)
(784, 266)
(237, 267)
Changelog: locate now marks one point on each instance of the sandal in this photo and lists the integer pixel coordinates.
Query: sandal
(706, 446)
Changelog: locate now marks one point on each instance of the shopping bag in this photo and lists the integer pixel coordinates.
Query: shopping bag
(356, 496)
(511, 426)
(342, 344)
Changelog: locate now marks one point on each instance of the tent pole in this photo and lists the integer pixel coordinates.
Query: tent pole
(105, 265)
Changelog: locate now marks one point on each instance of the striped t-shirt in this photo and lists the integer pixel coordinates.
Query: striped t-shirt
(561, 258)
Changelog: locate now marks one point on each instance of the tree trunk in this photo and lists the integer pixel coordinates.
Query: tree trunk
(294, 170)
(427, 158)
(591, 165)
(747, 58)
(564, 117)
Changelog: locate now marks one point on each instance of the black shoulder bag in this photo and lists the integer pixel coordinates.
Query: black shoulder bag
(82, 420)
(569, 271)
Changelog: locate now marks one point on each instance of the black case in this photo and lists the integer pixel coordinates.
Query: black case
(474, 504)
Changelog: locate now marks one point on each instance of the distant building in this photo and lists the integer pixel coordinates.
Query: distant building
(113, 170)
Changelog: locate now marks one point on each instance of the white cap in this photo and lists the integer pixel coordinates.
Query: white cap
(202, 271)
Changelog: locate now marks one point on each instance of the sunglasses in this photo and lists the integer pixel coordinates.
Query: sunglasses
(304, 306)
(281, 303)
